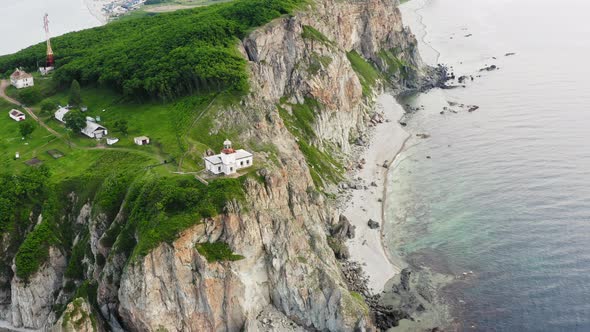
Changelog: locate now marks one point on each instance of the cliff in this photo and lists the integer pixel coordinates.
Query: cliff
(328, 60)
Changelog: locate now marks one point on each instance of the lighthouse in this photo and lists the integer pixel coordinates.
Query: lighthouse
(229, 161)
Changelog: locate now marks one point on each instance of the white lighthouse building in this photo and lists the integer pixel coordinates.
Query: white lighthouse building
(229, 161)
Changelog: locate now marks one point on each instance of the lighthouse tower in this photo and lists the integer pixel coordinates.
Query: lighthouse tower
(228, 154)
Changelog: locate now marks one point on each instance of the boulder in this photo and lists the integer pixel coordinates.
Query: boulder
(373, 224)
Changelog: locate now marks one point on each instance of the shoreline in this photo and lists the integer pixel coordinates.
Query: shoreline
(95, 9)
(368, 246)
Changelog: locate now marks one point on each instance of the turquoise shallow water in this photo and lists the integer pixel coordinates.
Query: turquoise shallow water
(506, 193)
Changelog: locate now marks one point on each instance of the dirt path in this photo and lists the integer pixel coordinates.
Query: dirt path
(5, 84)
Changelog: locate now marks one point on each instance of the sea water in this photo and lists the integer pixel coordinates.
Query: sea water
(21, 21)
(504, 191)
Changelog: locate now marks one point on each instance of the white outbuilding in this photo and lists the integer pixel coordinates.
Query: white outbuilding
(60, 113)
(112, 140)
(21, 79)
(142, 140)
(229, 161)
(17, 115)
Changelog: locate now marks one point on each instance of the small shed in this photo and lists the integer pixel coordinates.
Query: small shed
(60, 113)
(112, 140)
(17, 115)
(142, 140)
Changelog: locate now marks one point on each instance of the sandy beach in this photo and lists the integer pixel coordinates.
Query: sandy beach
(386, 141)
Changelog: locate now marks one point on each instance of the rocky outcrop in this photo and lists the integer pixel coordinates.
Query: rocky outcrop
(78, 317)
(287, 264)
(32, 300)
(287, 61)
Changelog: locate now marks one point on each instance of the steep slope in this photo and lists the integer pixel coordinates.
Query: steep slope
(312, 77)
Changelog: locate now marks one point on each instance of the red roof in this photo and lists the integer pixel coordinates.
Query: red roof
(20, 74)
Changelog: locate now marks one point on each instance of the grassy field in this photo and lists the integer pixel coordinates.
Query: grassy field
(178, 130)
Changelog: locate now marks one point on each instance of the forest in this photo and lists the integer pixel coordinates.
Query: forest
(161, 56)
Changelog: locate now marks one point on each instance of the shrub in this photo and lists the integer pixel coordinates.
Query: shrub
(217, 252)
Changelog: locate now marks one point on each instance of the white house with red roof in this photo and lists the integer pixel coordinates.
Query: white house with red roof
(17, 115)
(229, 161)
(21, 79)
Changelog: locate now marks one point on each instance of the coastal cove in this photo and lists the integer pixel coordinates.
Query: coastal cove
(497, 199)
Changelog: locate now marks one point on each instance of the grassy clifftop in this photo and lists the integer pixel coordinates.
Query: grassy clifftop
(166, 55)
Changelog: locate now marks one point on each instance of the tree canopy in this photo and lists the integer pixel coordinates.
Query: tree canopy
(75, 120)
(26, 128)
(75, 96)
(165, 55)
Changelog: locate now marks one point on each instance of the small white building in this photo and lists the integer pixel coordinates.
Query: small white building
(229, 161)
(45, 70)
(17, 115)
(60, 113)
(142, 140)
(21, 79)
(112, 140)
(94, 130)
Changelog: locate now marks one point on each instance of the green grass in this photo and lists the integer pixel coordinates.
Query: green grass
(395, 65)
(367, 73)
(317, 62)
(160, 208)
(217, 252)
(34, 251)
(300, 122)
(311, 33)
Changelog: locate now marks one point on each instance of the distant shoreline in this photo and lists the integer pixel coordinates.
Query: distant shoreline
(95, 9)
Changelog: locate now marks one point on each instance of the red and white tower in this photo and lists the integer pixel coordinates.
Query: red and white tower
(49, 62)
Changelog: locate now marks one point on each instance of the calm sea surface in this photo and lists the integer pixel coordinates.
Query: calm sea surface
(506, 193)
(21, 21)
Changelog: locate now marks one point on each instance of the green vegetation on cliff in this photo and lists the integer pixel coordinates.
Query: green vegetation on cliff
(367, 73)
(166, 55)
(300, 120)
(217, 252)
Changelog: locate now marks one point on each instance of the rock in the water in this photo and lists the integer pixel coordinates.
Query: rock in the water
(489, 68)
(373, 224)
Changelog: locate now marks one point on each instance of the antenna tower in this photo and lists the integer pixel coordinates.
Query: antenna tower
(49, 62)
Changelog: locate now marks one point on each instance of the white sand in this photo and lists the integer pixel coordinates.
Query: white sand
(6, 326)
(387, 140)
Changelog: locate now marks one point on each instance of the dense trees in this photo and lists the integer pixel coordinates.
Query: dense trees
(75, 120)
(165, 55)
(121, 126)
(75, 96)
(26, 128)
(47, 106)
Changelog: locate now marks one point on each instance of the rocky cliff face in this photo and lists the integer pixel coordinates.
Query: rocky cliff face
(289, 272)
(306, 56)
